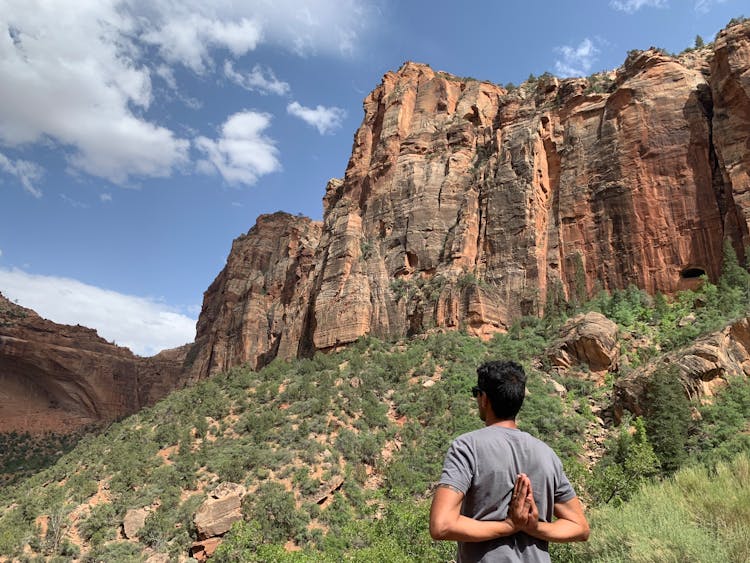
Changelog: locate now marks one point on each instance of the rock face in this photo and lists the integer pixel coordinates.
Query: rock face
(589, 339)
(256, 308)
(465, 204)
(57, 377)
(702, 367)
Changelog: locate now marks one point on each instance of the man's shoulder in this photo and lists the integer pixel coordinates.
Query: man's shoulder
(508, 435)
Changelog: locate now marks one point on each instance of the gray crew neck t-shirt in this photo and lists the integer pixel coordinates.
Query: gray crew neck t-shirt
(483, 465)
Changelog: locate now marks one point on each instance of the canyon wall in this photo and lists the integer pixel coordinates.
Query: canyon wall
(465, 204)
(57, 378)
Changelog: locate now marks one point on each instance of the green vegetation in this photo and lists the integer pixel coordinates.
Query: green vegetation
(668, 418)
(22, 455)
(699, 515)
(599, 83)
(629, 462)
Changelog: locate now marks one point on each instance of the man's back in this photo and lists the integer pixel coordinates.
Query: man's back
(484, 465)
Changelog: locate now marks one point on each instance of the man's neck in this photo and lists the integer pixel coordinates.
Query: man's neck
(509, 423)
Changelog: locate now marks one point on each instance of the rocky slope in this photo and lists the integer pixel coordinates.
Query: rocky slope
(466, 204)
(58, 378)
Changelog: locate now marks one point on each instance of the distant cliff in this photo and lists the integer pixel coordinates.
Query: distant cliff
(466, 204)
(56, 378)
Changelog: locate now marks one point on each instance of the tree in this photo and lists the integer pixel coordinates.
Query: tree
(734, 283)
(629, 462)
(699, 42)
(580, 289)
(668, 418)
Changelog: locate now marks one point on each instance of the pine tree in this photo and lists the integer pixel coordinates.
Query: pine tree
(629, 462)
(668, 418)
(734, 283)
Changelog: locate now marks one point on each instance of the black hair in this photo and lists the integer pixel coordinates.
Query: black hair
(504, 382)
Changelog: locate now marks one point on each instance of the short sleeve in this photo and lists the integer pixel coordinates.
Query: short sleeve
(459, 466)
(563, 489)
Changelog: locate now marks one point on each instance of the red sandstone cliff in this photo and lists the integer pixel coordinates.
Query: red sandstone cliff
(57, 377)
(257, 306)
(464, 203)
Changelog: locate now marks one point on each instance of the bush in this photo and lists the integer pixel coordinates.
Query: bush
(98, 527)
(274, 510)
(628, 463)
(721, 432)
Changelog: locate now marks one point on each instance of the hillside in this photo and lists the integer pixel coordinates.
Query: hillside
(333, 458)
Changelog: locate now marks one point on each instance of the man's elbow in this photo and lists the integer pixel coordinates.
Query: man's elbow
(584, 533)
(439, 529)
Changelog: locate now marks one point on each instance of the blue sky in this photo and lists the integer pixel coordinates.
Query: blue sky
(139, 138)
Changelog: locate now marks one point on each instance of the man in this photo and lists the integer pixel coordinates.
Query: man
(500, 487)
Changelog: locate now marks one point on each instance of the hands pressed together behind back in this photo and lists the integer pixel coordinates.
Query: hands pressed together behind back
(522, 512)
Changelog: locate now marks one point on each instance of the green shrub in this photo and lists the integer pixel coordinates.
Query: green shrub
(99, 525)
(628, 463)
(120, 551)
(274, 510)
(722, 431)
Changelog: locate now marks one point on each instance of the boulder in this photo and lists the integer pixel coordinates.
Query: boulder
(217, 514)
(202, 550)
(587, 339)
(703, 368)
(133, 522)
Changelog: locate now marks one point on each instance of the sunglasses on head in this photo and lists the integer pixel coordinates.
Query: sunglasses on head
(476, 390)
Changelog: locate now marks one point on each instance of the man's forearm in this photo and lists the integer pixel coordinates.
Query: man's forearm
(470, 530)
(561, 530)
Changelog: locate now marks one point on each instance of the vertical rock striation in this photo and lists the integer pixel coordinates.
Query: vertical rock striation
(256, 307)
(466, 204)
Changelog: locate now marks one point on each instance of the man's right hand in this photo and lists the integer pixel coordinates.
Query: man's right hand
(522, 504)
(570, 525)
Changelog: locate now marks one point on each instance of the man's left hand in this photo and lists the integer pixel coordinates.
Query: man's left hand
(521, 502)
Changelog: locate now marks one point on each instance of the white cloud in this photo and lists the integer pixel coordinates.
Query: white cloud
(71, 73)
(324, 119)
(73, 202)
(167, 75)
(242, 153)
(187, 37)
(576, 61)
(186, 32)
(1, 253)
(27, 173)
(256, 80)
(144, 325)
(77, 76)
(105, 197)
(632, 6)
